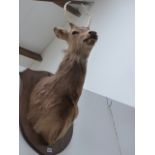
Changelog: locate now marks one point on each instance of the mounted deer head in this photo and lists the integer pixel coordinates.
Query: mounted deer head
(79, 39)
(53, 105)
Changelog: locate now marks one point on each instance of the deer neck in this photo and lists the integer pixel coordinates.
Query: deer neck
(79, 53)
(73, 68)
(73, 60)
(72, 71)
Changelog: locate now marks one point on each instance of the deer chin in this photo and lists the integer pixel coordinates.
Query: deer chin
(91, 40)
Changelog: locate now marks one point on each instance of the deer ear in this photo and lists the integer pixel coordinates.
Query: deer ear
(61, 33)
(71, 25)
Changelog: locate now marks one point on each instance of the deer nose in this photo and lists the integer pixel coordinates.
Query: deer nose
(92, 33)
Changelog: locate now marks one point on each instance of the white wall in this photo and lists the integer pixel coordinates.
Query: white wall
(111, 63)
(25, 61)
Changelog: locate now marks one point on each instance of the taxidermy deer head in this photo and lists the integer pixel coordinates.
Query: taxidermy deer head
(80, 39)
(53, 103)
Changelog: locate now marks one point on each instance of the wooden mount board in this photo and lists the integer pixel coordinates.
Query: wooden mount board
(28, 79)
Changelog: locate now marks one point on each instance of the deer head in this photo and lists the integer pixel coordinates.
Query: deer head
(80, 39)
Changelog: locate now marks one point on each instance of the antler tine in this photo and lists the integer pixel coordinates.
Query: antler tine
(89, 16)
(65, 10)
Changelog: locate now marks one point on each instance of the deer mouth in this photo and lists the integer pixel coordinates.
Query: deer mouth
(91, 39)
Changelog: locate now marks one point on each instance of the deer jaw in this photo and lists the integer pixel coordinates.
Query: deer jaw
(80, 39)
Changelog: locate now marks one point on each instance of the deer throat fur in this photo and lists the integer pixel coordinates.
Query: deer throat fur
(53, 102)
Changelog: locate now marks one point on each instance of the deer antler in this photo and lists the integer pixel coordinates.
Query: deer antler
(65, 10)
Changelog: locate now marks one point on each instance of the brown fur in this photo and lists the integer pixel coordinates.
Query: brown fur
(53, 103)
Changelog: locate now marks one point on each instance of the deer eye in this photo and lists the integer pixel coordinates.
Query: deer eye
(75, 32)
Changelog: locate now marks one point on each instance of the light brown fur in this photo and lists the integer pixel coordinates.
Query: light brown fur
(53, 103)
